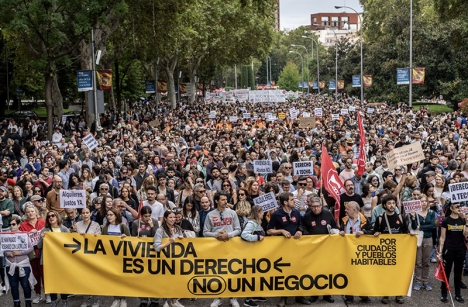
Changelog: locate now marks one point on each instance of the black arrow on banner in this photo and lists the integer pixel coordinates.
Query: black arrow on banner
(277, 264)
(77, 246)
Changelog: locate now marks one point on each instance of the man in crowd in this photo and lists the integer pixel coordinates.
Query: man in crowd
(348, 196)
(157, 209)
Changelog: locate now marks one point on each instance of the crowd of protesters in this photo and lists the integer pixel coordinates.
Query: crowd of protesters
(189, 168)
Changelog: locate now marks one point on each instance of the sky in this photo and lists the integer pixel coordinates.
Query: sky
(295, 13)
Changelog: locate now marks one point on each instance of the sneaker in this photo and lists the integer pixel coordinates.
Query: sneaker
(48, 300)
(37, 299)
(427, 287)
(216, 303)
(385, 300)
(123, 303)
(417, 286)
(177, 304)
(115, 303)
(443, 299)
(259, 299)
(250, 303)
(459, 299)
(234, 302)
(399, 299)
(433, 260)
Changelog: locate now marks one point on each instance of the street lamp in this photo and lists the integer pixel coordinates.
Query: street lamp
(307, 61)
(360, 21)
(302, 59)
(336, 64)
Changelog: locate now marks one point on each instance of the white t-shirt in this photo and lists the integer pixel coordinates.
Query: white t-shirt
(114, 230)
(157, 209)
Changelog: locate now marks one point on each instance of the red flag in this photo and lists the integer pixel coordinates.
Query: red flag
(330, 180)
(362, 144)
(139, 208)
(440, 274)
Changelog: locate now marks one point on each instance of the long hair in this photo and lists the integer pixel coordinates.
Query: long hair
(57, 216)
(243, 208)
(118, 216)
(193, 211)
(166, 228)
(255, 214)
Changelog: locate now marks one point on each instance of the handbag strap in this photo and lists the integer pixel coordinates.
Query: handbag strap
(89, 225)
(388, 224)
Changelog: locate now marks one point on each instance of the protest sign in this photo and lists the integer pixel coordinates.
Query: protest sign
(335, 116)
(72, 199)
(370, 110)
(262, 166)
(212, 114)
(90, 141)
(266, 201)
(233, 119)
(412, 206)
(14, 241)
(307, 122)
(306, 114)
(34, 238)
(405, 155)
(268, 115)
(318, 112)
(245, 115)
(352, 108)
(303, 168)
(154, 123)
(458, 192)
(344, 112)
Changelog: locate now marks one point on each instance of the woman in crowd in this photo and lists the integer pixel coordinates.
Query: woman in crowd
(75, 182)
(53, 224)
(18, 200)
(243, 211)
(84, 227)
(115, 227)
(156, 163)
(241, 194)
(187, 191)
(423, 221)
(28, 189)
(18, 269)
(33, 225)
(439, 188)
(189, 212)
(374, 183)
(125, 195)
(452, 249)
(145, 226)
(429, 192)
(86, 179)
(171, 183)
(410, 183)
(253, 189)
(227, 187)
(106, 205)
(149, 181)
(369, 199)
(170, 230)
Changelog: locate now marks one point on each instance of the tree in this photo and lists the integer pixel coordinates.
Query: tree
(289, 77)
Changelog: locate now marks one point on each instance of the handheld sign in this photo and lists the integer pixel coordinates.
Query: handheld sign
(344, 112)
(268, 115)
(154, 123)
(370, 110)
(14, 241)
(318, 112)
(262, 166)
(405, 155)
(352, 108)
(306, 114)
(212, 114)
(233, 119)
(34, 238)
(90, 141)
(335, 116)
(245, 115)
(307, 122)
(458, 192)
(266, 201)
(303, 168)
(412, 206)
(72, 199)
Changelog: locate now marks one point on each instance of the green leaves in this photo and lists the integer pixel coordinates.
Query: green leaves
(289, 77)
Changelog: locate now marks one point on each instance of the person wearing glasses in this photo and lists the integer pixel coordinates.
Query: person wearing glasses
(452, 249)
(199, 192)
(115, 227)
(222, 224)
(170, 230)
(34, 224)
(53, 224)
(53, 197)
(301, 194)
(18, 269)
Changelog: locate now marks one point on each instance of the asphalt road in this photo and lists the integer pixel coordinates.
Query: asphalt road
(419, 298)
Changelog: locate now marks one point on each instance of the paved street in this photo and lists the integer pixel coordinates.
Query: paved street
(419, 298)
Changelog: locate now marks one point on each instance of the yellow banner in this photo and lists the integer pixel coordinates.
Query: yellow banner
(206, 267)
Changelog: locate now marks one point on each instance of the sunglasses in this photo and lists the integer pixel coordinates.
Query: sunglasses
(51, 216)
(37, 191)
(241, 194)
(13, 224)
(201, 191)
(226, 185)
(302, 184)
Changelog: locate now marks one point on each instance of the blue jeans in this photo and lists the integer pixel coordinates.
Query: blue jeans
(15, 281)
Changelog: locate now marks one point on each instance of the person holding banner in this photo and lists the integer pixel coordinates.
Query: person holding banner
(423, 221)
(170, 230)
(53, 224)
(33, 225)
(452, 249)
(18, 269)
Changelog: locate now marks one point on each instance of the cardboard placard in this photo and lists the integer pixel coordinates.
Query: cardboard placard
(72, 199)
(154, 123)
(267, 201)
(458, 192)
(307, 122)
(303, 168)
(90, 141)
(412, 206)
(263, 166)
(405, 155)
